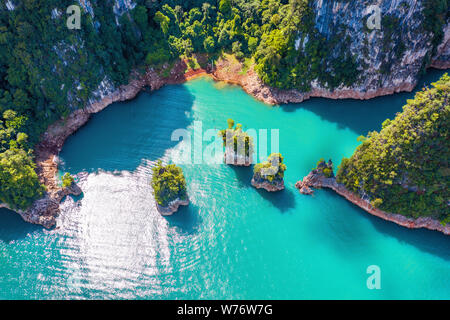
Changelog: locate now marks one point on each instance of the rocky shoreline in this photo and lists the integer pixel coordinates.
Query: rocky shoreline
(316, 180)
(44, 211)
(276, 185)
(232, 73)
(172, 207)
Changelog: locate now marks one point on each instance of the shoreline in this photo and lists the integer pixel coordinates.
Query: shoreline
(44, 211)
(172, 207)
(316, 180)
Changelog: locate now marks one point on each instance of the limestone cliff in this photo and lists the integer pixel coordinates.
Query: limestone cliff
(172, 207)
(389, 59)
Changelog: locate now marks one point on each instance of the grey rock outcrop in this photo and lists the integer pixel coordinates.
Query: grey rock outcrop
(172, 207)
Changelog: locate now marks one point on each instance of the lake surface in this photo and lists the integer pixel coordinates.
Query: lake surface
(233, 241)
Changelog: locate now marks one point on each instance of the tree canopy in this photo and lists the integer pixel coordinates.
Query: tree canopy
(168, 184)
(404, 168)
(271, 170)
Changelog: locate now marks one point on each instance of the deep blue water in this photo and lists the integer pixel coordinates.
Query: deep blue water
(233, 241)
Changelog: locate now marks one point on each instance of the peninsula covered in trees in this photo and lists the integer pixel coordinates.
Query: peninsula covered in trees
(404, 168)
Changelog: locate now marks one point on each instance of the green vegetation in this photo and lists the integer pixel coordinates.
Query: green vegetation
(263, 30)
(168, 184)
(19, 183)
(324, 168)
(240, 139)
(271, 170)
(404, 168)
(67, 180)
(436, 13)
(47, 70)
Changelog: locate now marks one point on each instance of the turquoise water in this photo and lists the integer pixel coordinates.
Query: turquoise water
(232, 241)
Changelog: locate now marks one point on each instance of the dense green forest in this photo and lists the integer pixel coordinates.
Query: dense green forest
(404, 168)
(168, 184)
(19, 182)
(48, 70)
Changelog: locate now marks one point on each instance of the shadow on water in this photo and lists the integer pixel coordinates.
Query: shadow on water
(432, 242)
(429, 241)
(186, 219)
(244, 175)
(121, 136)
(283, 200)
(362, 117)
(12, 226)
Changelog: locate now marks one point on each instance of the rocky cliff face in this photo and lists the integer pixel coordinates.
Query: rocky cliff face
(442, 58)
(391, 58)
(120, 7)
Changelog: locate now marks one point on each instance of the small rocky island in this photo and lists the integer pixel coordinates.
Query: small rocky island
(322, 171)
(238, 145)
(69, 186)
(269, 174)
(169, 188)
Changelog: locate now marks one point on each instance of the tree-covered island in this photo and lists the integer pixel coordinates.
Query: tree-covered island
(269, 174)
(238, 145)
(169, 188)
